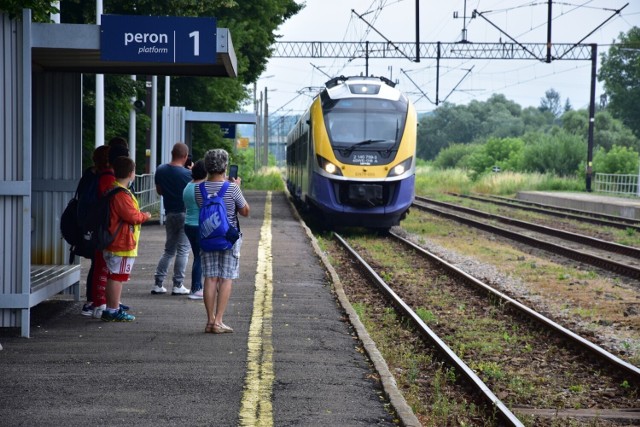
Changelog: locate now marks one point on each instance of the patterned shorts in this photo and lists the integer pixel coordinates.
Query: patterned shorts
(224, 264)
(119, 266)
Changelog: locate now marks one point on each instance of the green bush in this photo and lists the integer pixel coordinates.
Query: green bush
(622, 160)
(502, 152)
(456, 156)
(559, 153)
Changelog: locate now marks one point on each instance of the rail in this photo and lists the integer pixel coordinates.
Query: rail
(617, 183)
(145, 191)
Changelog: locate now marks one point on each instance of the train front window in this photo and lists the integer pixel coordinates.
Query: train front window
(368, 124)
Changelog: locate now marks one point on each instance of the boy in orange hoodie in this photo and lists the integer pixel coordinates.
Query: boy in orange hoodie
(121, 253)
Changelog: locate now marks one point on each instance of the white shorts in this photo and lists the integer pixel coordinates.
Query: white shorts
(119, 266)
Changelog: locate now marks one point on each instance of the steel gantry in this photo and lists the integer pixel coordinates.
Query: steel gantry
(431, 50)
(543, 52)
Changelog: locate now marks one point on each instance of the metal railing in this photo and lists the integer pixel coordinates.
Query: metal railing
(617, 183)
(145, 191)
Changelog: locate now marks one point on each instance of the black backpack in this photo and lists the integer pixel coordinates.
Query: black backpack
(96, 236)
(74, 217)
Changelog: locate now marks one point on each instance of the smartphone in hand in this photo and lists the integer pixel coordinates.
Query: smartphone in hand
(233, 171)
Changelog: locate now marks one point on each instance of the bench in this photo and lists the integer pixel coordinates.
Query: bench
(46, 281)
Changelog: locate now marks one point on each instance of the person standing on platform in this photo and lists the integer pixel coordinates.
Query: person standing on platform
(191, 227)
(171, 179)
(221, 267)
(115, 148)
(124, 223)
(88, 189)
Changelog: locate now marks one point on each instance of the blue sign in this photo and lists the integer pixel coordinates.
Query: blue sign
(228, 130)
(158, 39)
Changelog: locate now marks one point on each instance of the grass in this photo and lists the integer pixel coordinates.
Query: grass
(571, 292)
(266, 179)
(431, 181)
(407, 363)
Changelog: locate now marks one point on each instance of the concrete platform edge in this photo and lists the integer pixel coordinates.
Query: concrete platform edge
(400, 405)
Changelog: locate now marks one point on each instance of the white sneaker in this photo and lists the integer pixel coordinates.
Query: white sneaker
(158, 290)
(196, 295)
(97, 312)
(179, 290)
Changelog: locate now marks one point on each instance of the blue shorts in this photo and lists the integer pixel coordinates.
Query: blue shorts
(224, 264)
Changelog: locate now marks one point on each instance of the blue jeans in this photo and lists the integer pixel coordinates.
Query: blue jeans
(177, 245)
(193, 234)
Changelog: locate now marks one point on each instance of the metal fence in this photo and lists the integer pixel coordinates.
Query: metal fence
(145, 191)
(617, 183)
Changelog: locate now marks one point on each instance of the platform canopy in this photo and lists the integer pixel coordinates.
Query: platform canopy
(76, 48)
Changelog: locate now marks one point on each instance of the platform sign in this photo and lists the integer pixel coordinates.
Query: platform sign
(180, 40)
(228, 130)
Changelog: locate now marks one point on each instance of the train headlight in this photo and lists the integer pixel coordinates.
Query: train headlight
(328, 167)
(401, 168)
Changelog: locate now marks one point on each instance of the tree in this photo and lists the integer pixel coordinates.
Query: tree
(253, 28)
(252, 24)
(41, 10)
(447, 125)
(609, 131)
(551, 103)
(620, 72)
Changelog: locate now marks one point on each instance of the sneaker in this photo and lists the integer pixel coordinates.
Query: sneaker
(97, 311)
(118, 316)
(196, 295)
(158, 290)
(124, 307)
(87, 309)
(179, 290)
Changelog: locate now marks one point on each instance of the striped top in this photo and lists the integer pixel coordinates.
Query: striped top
(233, 198)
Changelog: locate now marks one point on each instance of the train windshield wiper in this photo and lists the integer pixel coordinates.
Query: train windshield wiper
(365, 142)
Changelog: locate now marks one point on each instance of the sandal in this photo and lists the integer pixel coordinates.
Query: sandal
(221, 328)
(210, 328)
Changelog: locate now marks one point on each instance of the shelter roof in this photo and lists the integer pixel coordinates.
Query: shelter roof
(76, 48)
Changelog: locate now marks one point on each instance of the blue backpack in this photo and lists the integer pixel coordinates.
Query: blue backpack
(216, 234)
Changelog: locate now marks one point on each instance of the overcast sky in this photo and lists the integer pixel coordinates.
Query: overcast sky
(524, 82)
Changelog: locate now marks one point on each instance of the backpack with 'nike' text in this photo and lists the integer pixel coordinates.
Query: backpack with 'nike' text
(216, 234)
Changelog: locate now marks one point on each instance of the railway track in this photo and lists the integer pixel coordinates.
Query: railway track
(628, 267)
(578, 213)
(397, 293)
(589, 217)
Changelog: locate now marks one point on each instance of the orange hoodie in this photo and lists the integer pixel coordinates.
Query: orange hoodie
(124, 207)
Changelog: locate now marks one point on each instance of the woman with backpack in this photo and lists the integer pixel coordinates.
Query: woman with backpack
(220, 267)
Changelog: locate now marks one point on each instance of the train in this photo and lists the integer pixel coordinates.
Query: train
(351, 156)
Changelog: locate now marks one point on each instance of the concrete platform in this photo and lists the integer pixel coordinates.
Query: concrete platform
(609, 205)
(293, 359)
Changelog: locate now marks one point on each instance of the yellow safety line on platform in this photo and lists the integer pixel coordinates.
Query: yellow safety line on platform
(256, 409)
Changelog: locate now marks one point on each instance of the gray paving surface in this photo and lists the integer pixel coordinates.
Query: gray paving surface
(163, 370)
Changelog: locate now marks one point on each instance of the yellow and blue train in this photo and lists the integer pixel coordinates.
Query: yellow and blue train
(351, 155)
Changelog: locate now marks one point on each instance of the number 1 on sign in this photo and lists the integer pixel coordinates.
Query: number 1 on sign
(196, 42)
